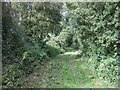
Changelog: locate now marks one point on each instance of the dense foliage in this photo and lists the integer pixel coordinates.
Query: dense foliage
(35, 32)
(26, 28)
(95, 28)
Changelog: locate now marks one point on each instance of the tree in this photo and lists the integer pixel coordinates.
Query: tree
(95, 27)
(39, 19)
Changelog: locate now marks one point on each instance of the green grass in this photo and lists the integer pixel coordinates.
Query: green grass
(66, 71)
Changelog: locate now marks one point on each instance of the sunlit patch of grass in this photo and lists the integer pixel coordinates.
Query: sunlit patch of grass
(71, 74)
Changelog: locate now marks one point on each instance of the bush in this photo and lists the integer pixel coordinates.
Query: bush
(12, 75)
(52, 51)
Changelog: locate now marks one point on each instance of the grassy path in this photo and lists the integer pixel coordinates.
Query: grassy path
(65, 71)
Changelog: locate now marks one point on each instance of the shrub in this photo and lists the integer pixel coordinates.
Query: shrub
(12, 75)
(52, 51)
